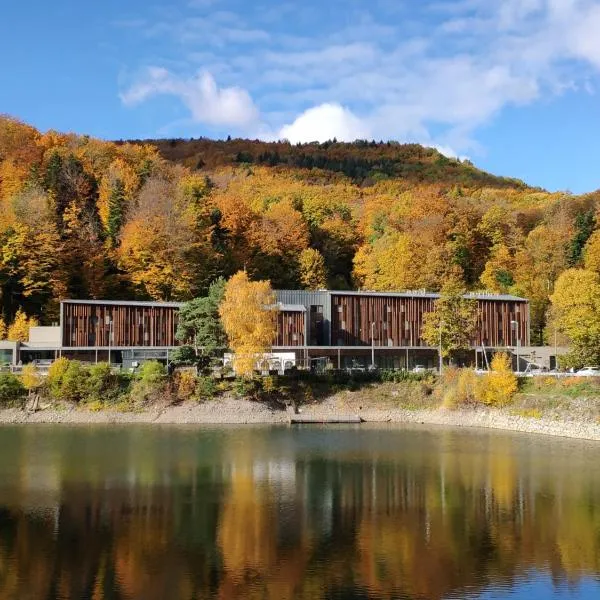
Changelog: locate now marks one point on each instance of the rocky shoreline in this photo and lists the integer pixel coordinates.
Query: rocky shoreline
(242, 412)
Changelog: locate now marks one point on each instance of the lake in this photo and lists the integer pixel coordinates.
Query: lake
(356, 512)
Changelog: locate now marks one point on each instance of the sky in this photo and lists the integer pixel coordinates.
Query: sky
(512, 85)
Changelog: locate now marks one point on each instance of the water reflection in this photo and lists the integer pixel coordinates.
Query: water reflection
(140, 513)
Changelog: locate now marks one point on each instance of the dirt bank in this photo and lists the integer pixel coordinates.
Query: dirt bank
(235, 411)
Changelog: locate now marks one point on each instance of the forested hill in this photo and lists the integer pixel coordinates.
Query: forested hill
(361, 161)
(84, 218)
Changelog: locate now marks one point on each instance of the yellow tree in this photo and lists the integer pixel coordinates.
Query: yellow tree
(2, 329)
(313, 275)
(249, 316)
(19, 328)
(164, 250)
(31, 378)
(576, 305)
(498, 273)
(498, 387)
(591, 253)
(388, 264)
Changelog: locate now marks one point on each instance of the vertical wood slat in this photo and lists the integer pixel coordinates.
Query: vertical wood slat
(84, 325)
(352, 316)
(290, 324)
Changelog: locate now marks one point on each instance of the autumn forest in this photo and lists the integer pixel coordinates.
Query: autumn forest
(85, 218)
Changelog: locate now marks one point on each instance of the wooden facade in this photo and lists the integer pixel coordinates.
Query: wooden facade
(87, 325)
(495, 318)
(291, 330)
(397, 321)
(339, 320)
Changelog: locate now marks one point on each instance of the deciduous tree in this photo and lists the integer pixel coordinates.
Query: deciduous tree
(18, 330)
(313, 275)
(453, 320)
(248, 312)
(576, 303)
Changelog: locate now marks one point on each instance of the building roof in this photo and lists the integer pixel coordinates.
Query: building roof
(125, 303)
(291, 307)
(416, 294)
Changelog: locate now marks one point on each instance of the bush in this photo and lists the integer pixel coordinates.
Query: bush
(206, 388)
(185, 383)
(55, 376)
(152, 372)
(150, 383)
(73, 385)
(498, 387)
(104, 385)
(11, 388)
(30, 377)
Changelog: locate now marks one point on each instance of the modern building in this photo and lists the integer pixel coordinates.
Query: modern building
(340, 327)
(359, 328)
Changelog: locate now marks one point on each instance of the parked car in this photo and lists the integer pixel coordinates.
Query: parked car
(588, 372)
(420, 369)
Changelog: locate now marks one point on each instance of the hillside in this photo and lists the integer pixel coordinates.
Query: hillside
(362, 161)
(84, 218)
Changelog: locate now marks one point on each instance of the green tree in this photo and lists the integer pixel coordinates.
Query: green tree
(454, 318)
(200, 324)
(116, 203)
(584, 227)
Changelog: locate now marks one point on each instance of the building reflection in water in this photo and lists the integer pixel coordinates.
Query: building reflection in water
(277, 513)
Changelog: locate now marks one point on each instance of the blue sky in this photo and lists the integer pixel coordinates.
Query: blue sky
(511, 84)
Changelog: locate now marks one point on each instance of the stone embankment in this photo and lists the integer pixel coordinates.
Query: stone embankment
(242, 412)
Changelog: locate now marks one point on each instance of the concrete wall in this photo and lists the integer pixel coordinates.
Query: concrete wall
(44, 336)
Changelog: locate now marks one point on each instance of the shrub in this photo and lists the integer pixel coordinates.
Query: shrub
(498, 387)
(73, 386)
(11, 388)
(152, 372)
(457, 386)
(30, 377)
(466, 386)
(206, 388)
(104, 385)
(150, 382)
(185, 383)
(55, 376)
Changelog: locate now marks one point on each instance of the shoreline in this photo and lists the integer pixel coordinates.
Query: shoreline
(245, 412)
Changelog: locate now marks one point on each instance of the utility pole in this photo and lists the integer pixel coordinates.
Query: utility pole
(440, 348)
(373, 345)
(109, 322)
(515, 326)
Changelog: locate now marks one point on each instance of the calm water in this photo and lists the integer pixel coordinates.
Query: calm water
(182, 513)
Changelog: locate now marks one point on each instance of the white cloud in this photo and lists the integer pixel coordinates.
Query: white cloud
(323, 123)
(206, 102)
(447, 67)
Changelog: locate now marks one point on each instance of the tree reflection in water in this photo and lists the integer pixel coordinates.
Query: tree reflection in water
(143, 514)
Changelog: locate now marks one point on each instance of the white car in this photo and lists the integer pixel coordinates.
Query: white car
(588, 372)
(420, 369)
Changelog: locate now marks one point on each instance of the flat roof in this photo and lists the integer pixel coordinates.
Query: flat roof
(301, 308)
(125, 303)
(415, 294)
(291, 307)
